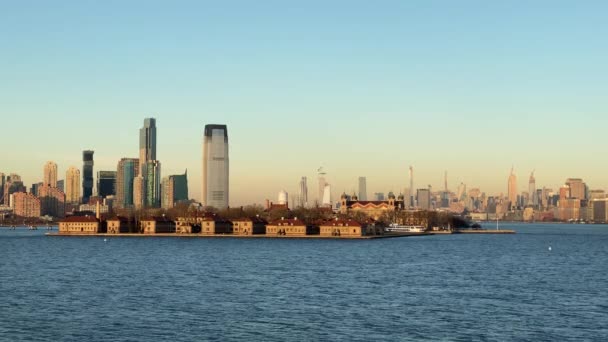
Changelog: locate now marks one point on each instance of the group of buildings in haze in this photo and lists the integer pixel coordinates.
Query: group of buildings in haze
(135, 184)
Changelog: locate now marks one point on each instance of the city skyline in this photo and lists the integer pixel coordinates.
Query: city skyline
(463, 81)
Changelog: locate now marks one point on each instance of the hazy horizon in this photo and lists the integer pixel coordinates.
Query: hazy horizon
(361, 89)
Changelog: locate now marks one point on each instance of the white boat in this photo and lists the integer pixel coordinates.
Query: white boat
(397, 228)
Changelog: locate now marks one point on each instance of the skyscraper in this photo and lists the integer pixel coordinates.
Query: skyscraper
(362, 189)
(52, 201)
(50, 174)
(127, 170)
(2, 182)
(61, 185)
(424, 199)
(147, 152)
(152, 183)
(532, 199)
(72, 185)
(106, 183)
(174, 189)
(512, 188)
(215, 166)
(327, 200)
(412, 202)
(147, 143)
(303, 193)
(322, 182)
(578, 189)
(87, 175)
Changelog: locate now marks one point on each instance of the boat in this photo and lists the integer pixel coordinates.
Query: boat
(397, 228)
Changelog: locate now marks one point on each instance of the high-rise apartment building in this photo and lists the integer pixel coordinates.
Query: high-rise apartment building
(215, 166)
(532, 199)
(106, 183)
(26, 205)
(2, 182)
(362, 189)
(424, 199)
(13, 184)
(174, 189)
(61, 185)
(512, 188)
(578, 189)
(303, 193)
(72, 185)
(87, 175)
(50, 174)
(152, 184)
(127, 170)
(322, 183)
(52, 201)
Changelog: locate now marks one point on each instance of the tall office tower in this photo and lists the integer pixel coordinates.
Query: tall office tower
(50, 174)
(106, 183)
(152, 183)
(147, 152)
(564, 192)
(532, 199)
(127, 170)
(139, 191)
(424, 199)
(445, 181)
(174, 189)
(52, 201)
(72, 185)
(322, 182)
(412, 201)
(61, 185)
(87, 175)
(2, 182)
(147, 143)
(462, 190)
(13, 184)
(327, 196)
(378, 196)
(578, 188)
(362, 189)
(35, 187)
(215, 166)
(303, 193)
(512, 188)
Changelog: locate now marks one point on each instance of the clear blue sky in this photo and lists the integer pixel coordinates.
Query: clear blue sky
(364, 88)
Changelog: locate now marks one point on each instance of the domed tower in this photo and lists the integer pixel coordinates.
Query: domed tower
(391, 200)
(354, 197)
(401, 200)
(344, 203)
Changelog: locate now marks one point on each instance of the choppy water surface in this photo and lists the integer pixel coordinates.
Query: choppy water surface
(460, 288)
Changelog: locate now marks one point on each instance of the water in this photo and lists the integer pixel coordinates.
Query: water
(453, 288)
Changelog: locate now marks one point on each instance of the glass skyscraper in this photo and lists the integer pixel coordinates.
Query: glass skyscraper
(215, 166)
(152, 184)
(87, 175)
(127, 170)
(106, 183)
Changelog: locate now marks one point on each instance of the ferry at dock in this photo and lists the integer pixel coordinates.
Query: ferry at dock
(397, 228)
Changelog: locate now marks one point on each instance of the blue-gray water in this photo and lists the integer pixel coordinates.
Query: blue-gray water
(458, 287)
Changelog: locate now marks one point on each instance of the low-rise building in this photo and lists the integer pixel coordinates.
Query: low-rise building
(213, 224)
(290, 227)
(121, 225)
(81, 225)
(349, 228)
(249, 226)
(157, 225)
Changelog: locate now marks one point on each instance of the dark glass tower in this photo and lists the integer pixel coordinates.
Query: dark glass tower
(87, 175)
(106, 183)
